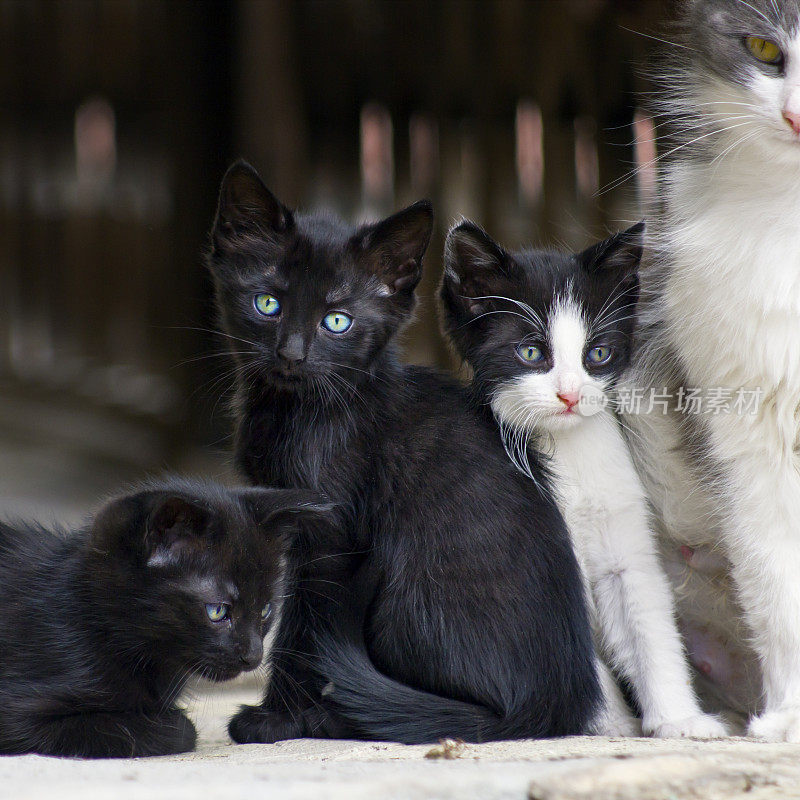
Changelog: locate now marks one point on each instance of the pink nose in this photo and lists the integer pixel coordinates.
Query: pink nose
(793, 118)
(569, 399)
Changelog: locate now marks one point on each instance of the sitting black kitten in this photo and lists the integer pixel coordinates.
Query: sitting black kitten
(102, 627)
(474, 623)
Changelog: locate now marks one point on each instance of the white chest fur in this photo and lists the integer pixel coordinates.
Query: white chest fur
(732, 295)
(597, 484)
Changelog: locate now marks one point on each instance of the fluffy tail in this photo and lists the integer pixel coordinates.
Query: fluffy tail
(382, 709)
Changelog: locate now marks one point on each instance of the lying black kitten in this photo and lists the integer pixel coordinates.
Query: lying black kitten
(475, 624)
(102, 627)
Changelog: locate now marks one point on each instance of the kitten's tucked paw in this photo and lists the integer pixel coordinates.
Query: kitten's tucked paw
(254, 724)
(699, 726)
(781, 725)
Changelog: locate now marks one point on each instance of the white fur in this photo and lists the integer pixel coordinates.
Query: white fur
(603, 503)
(730, 310)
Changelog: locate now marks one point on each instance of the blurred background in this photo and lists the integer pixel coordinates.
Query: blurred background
(120, 116)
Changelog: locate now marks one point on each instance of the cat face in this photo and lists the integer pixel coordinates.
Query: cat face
(201, 570)
(745, 72)
(309, 298)
(546, 333)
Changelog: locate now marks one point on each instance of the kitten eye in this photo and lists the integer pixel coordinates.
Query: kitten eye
(217, 612)
(266, 612)
(267, 305)
(765, 50)
(337, 322)
(599, 355)
(530, 353)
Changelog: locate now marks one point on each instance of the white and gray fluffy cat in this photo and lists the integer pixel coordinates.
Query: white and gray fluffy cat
(721, 318)
(547, 335)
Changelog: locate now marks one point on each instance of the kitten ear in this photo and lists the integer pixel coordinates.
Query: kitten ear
(282, 508)
(175, 527)
(618, 256)
(393, 248)
(247, 209)
(475, 268)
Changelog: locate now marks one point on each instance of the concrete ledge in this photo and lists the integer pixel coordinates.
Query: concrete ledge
(578, 768)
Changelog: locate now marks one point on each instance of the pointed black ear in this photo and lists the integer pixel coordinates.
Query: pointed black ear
(476, 268)
(392, 249)
(279, 508)
(175, 527)
(618, 256)
(247, 209)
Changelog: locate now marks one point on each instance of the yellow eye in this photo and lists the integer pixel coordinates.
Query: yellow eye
(530, 353)
(764, 50)
(266, 304)
(217, 611)
(337, 322)
(599, 355)
(266, 611)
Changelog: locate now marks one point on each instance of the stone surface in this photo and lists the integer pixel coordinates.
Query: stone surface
(578, 768)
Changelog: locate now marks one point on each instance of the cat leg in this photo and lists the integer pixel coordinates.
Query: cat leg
(639, 633)
(763, 544)
(115, 735)
(615, 718)
(293, 706)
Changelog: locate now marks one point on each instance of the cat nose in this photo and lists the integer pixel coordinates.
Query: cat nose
(252, 653)
(292, 350)
(569, 399)
(793, 118)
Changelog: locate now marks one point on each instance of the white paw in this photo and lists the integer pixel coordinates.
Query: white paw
(781, 725)
(616, 725)
(698, 726)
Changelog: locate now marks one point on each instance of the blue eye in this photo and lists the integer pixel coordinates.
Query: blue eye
(599, 355)
(267, 305)
(266, 611)
(217, 611)
(530, 353)
(337, 322)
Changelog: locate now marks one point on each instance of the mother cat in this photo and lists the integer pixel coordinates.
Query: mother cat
(722, 315)
(475, 624)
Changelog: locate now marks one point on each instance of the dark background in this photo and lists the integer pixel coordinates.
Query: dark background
(119, 117)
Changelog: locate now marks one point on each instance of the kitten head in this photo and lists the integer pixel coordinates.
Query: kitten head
(546, 333)
(735, 70)
(198, 570)
(305, 297)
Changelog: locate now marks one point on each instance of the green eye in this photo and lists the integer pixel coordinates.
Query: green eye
(267, 305)
(266, 612)
(337, 322)
(599, 355)
(217, 611)
(530, 353)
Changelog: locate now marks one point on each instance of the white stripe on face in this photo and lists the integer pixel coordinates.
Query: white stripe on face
(567, 343)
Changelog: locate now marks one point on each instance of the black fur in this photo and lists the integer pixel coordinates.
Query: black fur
(102, 627)
(484, 284)
(475, 625)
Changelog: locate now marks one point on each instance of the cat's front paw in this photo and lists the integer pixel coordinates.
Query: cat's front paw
(698, 726)
(253, 724)
(781, 725)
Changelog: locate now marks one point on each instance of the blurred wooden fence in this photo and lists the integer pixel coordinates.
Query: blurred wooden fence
(118, 117)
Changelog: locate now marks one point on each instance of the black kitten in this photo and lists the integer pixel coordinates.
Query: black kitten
(102, 627)
(474, 622)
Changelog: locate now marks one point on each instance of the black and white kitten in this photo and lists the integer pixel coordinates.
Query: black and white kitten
(721, 327)
(103, 626)
(475, 623)
(548, 334)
